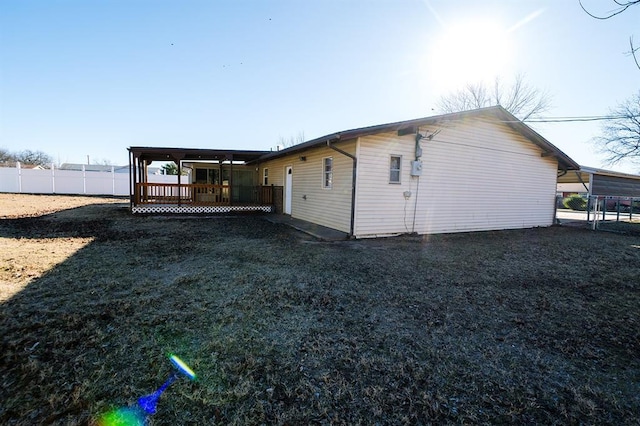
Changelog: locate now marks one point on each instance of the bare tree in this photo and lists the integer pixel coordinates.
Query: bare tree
(36, 158)
(621, 6)
(291, 141)
(520, 99)
(103, 162)
(6, 156)
(620, 138)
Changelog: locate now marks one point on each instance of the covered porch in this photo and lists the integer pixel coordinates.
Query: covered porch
(208, 181)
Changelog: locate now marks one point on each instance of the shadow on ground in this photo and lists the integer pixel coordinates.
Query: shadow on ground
(531, 326)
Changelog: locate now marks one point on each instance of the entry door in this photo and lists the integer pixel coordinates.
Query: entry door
(288, 171)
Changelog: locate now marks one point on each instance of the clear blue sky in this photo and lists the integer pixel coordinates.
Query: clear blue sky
(90, 78)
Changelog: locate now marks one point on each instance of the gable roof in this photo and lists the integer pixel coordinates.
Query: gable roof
(411, 126)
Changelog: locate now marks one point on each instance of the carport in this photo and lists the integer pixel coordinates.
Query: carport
(223, 195)
(606, 190)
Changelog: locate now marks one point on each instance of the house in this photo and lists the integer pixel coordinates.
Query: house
(469, 171)
(94, 168)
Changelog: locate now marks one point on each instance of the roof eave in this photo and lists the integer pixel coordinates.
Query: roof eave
(564, 161)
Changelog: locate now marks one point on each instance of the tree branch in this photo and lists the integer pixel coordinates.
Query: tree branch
(633, 52)
(623, 6)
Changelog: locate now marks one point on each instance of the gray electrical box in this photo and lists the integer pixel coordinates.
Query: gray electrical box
(416, 168)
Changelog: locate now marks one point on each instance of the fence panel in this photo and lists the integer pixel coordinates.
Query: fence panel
(9, 179)
(72, 182)
(36, 181)
(68, 182)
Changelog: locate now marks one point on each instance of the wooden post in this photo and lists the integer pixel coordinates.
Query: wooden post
(231, 181)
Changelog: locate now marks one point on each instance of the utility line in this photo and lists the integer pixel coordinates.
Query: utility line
(578, 119)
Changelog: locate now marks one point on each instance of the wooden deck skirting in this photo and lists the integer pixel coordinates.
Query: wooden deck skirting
(197, 194)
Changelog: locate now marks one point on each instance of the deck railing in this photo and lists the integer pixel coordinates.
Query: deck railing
(198, 194)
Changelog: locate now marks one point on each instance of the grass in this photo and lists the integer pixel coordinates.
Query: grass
(527, 326)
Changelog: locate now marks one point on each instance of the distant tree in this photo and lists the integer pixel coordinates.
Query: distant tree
(170, 169)
(620, 7)
(520, 99)
(292, 140)
(6, 156)
(620, 139)
(103, 162)
(36, 158)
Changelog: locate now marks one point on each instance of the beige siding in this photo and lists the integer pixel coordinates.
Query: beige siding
(276, 170)
(477, 175)
(310, 201)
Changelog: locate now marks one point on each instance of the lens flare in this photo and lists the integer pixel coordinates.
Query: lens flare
(136, 416)
(184, 368)
(123, 417)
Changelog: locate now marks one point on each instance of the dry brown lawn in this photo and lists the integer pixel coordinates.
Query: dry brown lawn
(24, 259)
(537, 326)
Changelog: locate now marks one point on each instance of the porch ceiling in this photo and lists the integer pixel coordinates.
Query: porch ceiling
(150, 154)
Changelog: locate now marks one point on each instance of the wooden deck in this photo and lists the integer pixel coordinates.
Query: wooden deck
(154, 198)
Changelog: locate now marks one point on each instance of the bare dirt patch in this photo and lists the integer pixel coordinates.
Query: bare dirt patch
(534, 326)
(28, 205)
(24, 259)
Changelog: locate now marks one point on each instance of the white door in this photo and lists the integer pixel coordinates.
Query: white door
(288, 172)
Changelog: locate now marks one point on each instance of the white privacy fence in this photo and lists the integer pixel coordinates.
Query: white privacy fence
(55, 181)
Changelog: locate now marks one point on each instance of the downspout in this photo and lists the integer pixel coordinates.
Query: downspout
(353, 182)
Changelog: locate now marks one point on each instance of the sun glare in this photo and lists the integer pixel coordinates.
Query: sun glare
(468, 52)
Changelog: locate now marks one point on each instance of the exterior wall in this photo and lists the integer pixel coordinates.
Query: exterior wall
(226, 167)
(310, 201)
(477, 175)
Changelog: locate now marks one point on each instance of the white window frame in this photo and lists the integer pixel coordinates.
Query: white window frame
(398, 170)
(265, 176)
(327, 176)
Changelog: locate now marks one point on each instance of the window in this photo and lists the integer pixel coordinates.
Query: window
(327, 172)
(265, 177)
(394, 169)
(201, 175)
(210, 176)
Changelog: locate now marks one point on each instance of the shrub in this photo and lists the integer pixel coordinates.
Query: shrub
(575, 202)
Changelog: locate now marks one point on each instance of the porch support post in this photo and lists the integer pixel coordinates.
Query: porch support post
(230, 179)
(179, 182)
(177, 158)
(132, 177)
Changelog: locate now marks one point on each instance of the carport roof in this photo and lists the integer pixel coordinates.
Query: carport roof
(193, 154)
(585, 171)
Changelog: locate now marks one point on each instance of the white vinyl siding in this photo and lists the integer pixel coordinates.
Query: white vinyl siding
(310, 201)
(477, 175)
